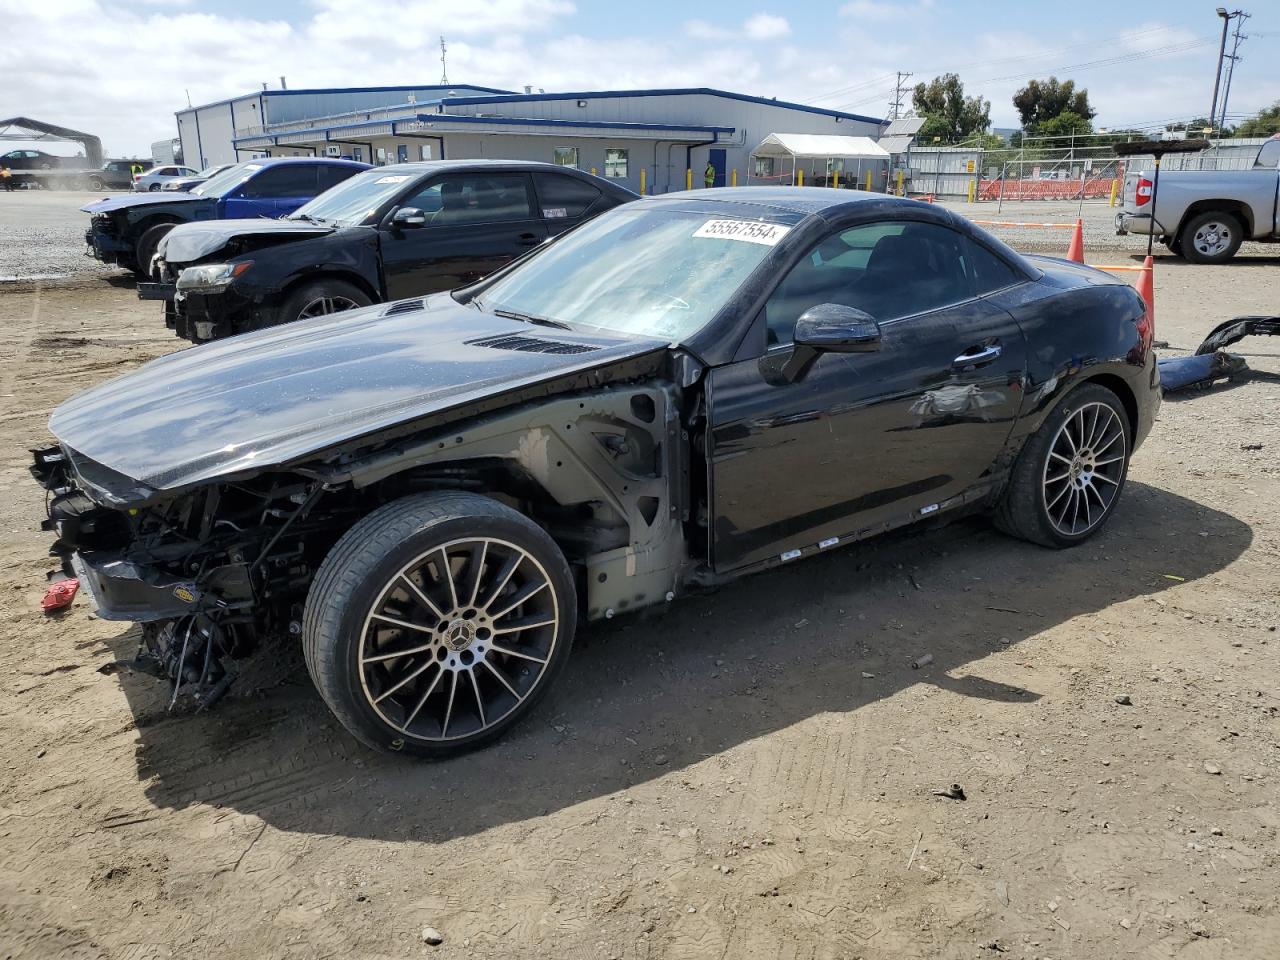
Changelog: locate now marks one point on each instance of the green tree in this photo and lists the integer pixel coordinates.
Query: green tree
(1043, 100)
(1064, 125)
(949, 114)
(1266, 123)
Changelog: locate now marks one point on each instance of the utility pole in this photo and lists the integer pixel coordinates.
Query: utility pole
(895, 105)
(1241, 17)
(444, 69)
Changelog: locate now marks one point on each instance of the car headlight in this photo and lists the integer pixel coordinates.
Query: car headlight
(211, 277)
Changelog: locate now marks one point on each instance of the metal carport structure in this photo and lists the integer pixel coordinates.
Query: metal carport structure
(48, 131)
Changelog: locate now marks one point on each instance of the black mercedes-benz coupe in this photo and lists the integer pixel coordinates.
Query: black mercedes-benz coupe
(429, 495)
(390, 233)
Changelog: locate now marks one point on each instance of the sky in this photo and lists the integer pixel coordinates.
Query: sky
(121, 69)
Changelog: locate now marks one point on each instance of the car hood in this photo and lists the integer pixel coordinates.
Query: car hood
(280, 394)
(139, 200)
(188, 242)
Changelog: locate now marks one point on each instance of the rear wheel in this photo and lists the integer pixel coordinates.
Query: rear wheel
(321, 298)
(154, 188)
(1068, 478)
(1211, 237)
(437, 622)
(96, 183)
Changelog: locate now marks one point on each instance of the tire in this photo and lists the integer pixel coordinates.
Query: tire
(146, 246)
(95, 183)
(436, 701)
(153, 188)
(320, 298)
(1059, 499)
(1210, 237)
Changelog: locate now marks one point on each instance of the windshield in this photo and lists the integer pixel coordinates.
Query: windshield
(654, 272)
(226, 181)
(355, 199)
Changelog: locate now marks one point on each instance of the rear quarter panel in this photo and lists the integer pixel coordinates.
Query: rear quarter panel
(1081, 325)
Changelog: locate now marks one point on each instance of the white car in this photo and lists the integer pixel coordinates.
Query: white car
(155, 178)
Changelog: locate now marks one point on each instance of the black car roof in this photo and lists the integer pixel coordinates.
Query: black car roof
(423, 166)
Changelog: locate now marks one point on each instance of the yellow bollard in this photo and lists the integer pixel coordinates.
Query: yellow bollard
(799, 178)
(1115, 189)
(835, 181)
(868, 181)
(688, 178)
(642, 171)
(899, 183)
(733, 177)
(971, 191)
(593, 171)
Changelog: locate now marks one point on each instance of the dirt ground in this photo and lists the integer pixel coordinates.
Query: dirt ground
(751, 774)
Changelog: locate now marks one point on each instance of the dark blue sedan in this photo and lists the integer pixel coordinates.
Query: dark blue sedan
(126, 230)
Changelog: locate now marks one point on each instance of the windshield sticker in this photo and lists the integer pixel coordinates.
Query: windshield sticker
(554, 213)
(401, 179)
(767, 234)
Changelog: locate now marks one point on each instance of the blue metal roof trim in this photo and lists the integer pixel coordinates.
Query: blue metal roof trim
(286, 93)
(540, 122)
(677, 91)
(522, 121)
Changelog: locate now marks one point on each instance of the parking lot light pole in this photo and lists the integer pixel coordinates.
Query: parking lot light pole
(1222, 49)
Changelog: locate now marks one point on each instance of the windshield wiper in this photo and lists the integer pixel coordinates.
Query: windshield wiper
(530, 318)
(319, 221)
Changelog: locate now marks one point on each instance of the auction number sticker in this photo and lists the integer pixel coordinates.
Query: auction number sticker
(750, 231)
(393, 179)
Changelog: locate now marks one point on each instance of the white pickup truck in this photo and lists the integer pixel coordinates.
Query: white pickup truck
(1204, 215)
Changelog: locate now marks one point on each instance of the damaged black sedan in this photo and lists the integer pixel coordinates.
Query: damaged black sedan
(429, 495)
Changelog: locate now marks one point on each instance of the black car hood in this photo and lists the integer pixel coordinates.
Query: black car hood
(188, 242)
(279, 394)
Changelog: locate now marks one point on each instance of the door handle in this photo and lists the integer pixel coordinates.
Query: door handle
(529, 239)
(979, 356)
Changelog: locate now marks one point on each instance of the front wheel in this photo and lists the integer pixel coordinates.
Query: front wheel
(1067, 480)
(437, 622)
(1210, 237)
(321, 298)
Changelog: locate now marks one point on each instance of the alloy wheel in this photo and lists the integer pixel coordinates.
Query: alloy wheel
(323, 306)
(1084, 469)
(458, 638)
(1212, 239)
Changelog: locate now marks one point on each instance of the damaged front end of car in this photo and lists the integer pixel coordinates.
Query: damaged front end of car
(206, 572)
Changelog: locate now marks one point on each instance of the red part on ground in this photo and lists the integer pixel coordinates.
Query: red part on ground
(60, 594)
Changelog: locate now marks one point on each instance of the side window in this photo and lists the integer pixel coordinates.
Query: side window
(560, 196)
(887, 269)
(487, 198)
(1268, 156)
(332, 174)
(287, 180)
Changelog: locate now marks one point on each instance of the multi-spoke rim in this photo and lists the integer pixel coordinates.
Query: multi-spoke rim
(1084, 469)
(458, 638)
(1212, 238)
(323, 306)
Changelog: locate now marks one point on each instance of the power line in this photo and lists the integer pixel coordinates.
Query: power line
(1241, 17)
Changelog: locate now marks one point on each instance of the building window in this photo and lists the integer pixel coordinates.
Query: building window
(615, 163)
(762, 166)
(566, 157)
(424, 151)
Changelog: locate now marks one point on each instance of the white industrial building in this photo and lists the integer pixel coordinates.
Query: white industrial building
(616, 133)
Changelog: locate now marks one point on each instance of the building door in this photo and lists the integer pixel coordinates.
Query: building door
(718, 161)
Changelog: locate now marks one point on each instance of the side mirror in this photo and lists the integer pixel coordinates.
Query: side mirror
(836, 328)
(408, 218)
(829, 328)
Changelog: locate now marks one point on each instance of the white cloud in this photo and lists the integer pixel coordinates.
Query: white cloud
(765, 26)
(122, 73)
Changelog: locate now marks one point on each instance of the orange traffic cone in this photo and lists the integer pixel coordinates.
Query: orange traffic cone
(1147, 289)
(1076, 250)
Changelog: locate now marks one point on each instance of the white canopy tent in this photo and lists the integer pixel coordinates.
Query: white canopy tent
(816, 146)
